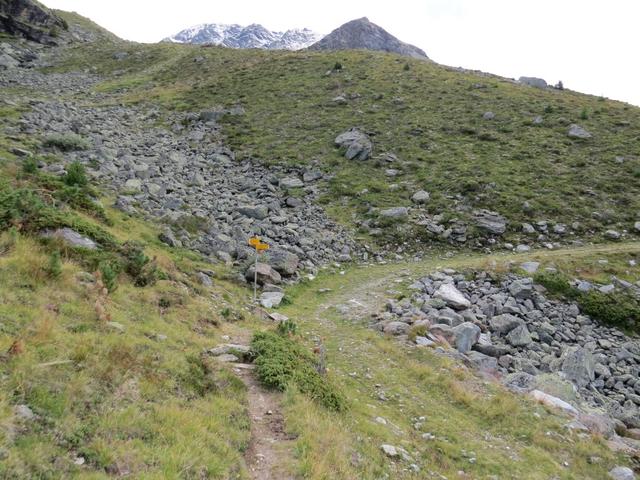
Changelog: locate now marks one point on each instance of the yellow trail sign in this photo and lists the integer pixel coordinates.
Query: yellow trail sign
(256, 243)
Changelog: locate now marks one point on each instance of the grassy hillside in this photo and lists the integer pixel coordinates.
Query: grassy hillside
(428, 115)
(110, 372)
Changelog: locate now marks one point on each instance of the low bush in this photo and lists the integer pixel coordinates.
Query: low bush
(619, 309)
(281, 362)
(142, 270)
(67, 142)
(76, 175)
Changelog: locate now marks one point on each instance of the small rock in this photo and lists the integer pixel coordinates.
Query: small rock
(421, 197)
(622, 473)
(576, 131)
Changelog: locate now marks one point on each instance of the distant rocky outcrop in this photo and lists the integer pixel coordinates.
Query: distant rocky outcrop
(31, 20)
(365, 35)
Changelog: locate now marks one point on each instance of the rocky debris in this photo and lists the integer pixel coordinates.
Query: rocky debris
(537, 343)
(229, 348)
(23, 412)
(492, 222)
(184, 175)
(576, 131)
(533, 82)
(204, 279)
(167, 237)
(71, 238)
(356, 145)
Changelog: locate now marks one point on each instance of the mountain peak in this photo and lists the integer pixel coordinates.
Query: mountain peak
(362, 34)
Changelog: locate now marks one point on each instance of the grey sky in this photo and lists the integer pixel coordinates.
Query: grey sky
(591, 45)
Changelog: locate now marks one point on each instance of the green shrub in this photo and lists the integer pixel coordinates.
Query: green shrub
(197, 377)
(282, 363)
(67, 142)
(337, 66)
(30, 165)
(142, 270)
(584, 114)
(76, 175)
(54, 267)
(109, 272)
(556, 283)
(288, 328)
(619, 309)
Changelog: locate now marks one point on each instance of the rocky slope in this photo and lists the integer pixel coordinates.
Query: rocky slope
(510, 328)
(185, 176)
(361, 34)
(251, 36)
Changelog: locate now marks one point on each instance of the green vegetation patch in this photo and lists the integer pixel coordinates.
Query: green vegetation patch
(281, 362)
(619, 309)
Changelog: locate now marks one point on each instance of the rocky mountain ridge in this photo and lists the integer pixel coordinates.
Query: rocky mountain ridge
(31, 20)
(251, 36)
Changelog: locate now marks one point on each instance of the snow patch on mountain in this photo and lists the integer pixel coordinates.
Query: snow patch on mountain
(251, 36)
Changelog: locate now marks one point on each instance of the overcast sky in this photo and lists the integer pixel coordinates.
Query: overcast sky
(591, 45)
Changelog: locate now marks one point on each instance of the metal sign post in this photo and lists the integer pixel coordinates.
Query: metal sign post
(260, 247)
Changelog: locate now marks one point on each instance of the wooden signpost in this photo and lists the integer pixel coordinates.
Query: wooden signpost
(260, 247)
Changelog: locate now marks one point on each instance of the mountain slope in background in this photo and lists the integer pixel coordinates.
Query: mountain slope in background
(361, 34)
(252, 36)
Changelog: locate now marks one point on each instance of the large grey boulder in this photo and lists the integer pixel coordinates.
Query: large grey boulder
(503, 324)
(576, 131)
(258, 212)
(519, 336)
(396, 328)
(291, 182)
(395, 212)
(285, 263)
(522, 288)
(266, 274)
(554, 402)
(533, 82)
(489, 221)
(452, 296)
(271, 299)
(356, 145)
(465, 336)
(71, 238)
(578, 366)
